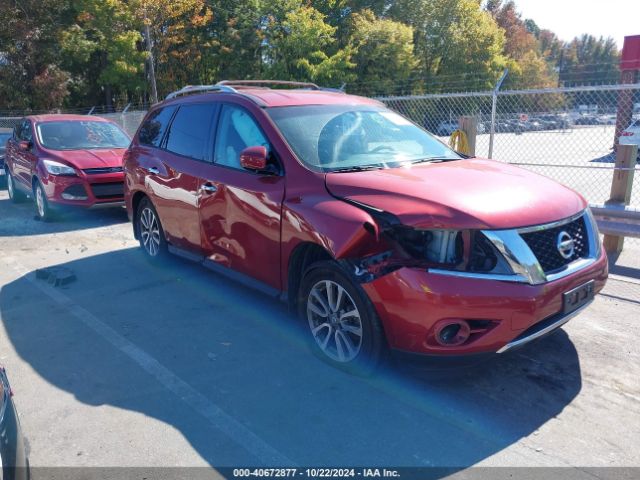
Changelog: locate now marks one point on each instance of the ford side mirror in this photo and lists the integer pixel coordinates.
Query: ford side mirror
(24, 145)
(254, 158)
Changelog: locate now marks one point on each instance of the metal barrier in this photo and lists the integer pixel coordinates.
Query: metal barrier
(617, 220)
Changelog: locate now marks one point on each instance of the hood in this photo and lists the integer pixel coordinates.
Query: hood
(83, 159)
(463, 194)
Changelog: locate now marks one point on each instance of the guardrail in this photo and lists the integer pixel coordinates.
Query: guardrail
(617, 220)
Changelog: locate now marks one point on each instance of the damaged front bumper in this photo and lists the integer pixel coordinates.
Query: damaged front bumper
(412, 302)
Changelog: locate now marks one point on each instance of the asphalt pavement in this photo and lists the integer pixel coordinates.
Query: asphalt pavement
(137, 365)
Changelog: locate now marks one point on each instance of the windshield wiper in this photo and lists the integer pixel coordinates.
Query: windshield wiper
(356, 168)
(435, 160)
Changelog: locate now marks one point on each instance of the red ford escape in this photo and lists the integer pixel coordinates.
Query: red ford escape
(376, 234)
(66, 160)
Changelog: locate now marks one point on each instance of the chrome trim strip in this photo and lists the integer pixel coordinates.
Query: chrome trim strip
(573, 267)
(549, 328)
(479, 276)
(518, 254)
(546, 226)
(4, 401)
(595, 245)
(96, 206)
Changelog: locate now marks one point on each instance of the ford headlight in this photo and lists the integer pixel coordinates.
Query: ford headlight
(57, 168)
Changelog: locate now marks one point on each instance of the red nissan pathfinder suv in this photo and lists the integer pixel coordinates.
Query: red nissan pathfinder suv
(376, 234)
(66, 161)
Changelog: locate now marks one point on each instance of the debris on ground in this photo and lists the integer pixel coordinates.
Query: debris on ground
(56, 276)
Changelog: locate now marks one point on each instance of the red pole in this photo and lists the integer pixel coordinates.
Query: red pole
(629, 67)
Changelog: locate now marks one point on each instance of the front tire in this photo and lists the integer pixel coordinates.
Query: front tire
(344, 327)
(43, 210)
(15, 195)
(150, 232)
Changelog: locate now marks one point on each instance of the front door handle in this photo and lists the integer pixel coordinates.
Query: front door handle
(209, 188)
(153, 170)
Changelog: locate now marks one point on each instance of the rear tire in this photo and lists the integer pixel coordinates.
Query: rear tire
(15, 195)
(43, 210)
(150, 232)
(344, 328)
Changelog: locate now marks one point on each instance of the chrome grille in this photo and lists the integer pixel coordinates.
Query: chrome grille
(543, 244)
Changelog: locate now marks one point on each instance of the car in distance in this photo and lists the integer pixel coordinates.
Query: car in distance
(5, 135)
(376, 233)
(66, 161)
(447, 128)
(14, 464)
(631, 135)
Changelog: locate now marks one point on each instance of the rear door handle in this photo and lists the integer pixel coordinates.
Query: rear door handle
(153, 170)
(209, 188)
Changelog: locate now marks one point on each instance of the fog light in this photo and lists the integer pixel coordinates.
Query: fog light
(75, 192)
(452, 333)
(68, 196)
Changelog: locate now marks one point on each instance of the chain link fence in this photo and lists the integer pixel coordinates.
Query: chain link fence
(567, 134)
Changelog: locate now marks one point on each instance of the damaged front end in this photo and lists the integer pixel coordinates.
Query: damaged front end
(402, 246)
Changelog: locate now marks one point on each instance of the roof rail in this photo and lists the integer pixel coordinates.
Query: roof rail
(192, 89)
(257, 83)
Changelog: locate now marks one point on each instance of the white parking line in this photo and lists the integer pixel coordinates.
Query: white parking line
(197, 401)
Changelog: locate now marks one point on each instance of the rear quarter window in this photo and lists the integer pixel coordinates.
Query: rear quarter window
(155, 126)
(190, 132)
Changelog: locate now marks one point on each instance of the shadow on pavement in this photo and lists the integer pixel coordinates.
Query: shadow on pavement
(242, 352)
(609, 158)
(19, 219)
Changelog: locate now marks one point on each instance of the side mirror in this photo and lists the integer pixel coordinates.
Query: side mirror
(24, 145)
(254, 158)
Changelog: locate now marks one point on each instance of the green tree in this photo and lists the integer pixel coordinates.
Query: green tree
(107, 35)
(384, 55)
(30, 54)
(296, 49)
(454, 38)
(519, 41)
(587, 59)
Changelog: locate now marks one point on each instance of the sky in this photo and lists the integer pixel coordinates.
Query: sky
(570, 18)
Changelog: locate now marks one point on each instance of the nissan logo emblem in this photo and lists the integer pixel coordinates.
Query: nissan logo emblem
(565, 244)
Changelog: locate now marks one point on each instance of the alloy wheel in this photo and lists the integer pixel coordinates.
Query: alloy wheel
(10, 186)
(150, 231)
(40, 202)
(334, 321)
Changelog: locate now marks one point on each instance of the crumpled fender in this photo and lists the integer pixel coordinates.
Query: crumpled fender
(343, 229)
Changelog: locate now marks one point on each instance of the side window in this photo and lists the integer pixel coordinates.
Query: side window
(17, 132)
(153, 129)
(190, 131)
(26, 133)
(237, 130)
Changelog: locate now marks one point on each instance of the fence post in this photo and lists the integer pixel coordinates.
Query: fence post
(469, 125)
(621, 186)
(494, 105)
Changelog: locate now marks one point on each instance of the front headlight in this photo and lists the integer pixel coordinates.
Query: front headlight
(464, 250)
(444, 247)
(57, 168)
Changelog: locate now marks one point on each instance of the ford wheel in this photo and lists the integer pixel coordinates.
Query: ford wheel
(15, 195)
(43, 210)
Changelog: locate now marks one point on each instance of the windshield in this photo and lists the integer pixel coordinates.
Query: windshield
(346, 137)
(80, 135)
